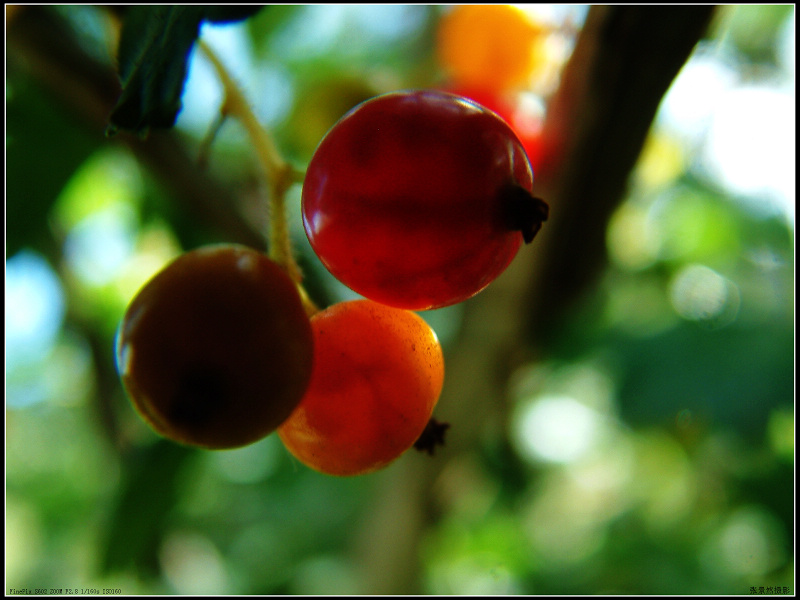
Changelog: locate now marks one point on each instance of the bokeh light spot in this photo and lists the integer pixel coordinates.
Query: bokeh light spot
(35, 309)
(699, 293)
(748, 543)
(632, 243)
(556, 429)
(193, 565)
(751, 149)
(98, 247)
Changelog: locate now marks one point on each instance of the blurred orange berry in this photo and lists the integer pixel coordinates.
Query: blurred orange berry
(490, 46)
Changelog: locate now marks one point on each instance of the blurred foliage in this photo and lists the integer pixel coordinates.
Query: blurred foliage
(650, 451)
(34, 123)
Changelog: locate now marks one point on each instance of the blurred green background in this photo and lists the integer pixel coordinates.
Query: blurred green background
(648, 450)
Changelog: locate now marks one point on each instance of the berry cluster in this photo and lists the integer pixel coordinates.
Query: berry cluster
(416, 200)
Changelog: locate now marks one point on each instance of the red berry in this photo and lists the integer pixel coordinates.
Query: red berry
(419, 199)
(216, 350)
(525, 120)
(378, 373)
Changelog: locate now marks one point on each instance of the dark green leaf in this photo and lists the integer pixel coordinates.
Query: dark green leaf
(152, 60)
(153, 51)
(230, 13)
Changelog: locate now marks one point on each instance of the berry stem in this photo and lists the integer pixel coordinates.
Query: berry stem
(208, 141)
(280, 175)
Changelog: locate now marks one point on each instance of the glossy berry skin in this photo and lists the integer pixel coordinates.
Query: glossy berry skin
(524, 121)
(378, 373)
(417, 199)
(216, 350)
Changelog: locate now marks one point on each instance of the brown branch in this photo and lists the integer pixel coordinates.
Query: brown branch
(624, 61)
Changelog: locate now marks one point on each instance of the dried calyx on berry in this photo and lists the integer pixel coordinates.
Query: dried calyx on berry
(525, 212)
(432, 436)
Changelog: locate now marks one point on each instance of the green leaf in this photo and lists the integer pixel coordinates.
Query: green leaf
(153, 54)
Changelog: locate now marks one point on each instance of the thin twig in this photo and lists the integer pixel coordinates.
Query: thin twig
(280, 175)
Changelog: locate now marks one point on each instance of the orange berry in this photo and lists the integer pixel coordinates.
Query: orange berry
(378, 372)
(490, 46)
